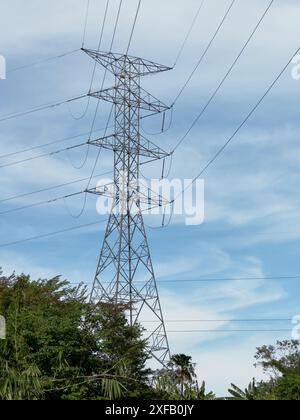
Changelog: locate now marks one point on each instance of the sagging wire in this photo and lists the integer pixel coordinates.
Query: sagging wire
(163, 175)
(163, 169)
(84, 160)
(78, 118)
(163, 129)
(170, 167)
(88, 145)
(164, 225)
(76, 216)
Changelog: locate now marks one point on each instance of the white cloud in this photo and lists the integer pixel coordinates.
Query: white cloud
(204, 258)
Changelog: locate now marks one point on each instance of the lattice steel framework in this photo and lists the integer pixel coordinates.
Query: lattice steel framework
(125, 272)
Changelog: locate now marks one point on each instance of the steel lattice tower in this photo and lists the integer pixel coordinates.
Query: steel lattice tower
(125, 274)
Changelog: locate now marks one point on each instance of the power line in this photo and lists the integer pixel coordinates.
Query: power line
(116, 24)
(99, 43)
(225, 320)
(40, 146)
(103, 81)
(230, 331)
(204, 53)
(39, 108)
(65, 230)
(99, 152)
(55, 152)
(188, 33)
(36, 157)
(92, 78)
(226, 279)
(40, 203)
(181, 49)
(225, 77)
(232, 279)
(98, 102)
(112, 107)
(133, 26)
(216, 91)
(85, 22)
(15, 197)
(46, 235)
(225, 145)
(46, 60)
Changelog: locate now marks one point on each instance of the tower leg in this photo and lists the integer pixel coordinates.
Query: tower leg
(125, 276)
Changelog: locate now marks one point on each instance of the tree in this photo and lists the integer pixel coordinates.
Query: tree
(281, 359)
(288, 387)
(121, 349)
(249, 394)
(282, 363)
(60, 347)
(183, 371)
(197, 392)
(179, 381)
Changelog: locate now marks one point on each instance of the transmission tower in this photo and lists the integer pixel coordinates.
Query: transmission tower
(125, 274)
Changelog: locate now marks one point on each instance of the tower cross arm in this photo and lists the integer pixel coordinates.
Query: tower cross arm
(118, 63)
(144, 148)
(144, 100)
(140, 195)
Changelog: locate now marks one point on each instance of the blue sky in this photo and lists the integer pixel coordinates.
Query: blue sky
(251, 227)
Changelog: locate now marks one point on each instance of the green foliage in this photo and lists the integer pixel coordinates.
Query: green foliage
(282, 363)
(249, 394)
(15, 385)
(60, 347)
(282, 359)
(197, 392)
(288, 387)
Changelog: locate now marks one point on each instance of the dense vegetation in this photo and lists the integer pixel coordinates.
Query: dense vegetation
(59, 347)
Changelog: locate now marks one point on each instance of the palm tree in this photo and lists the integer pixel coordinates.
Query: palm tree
(249, 394)
(198, 393)
(202, 393)
(183, 370)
